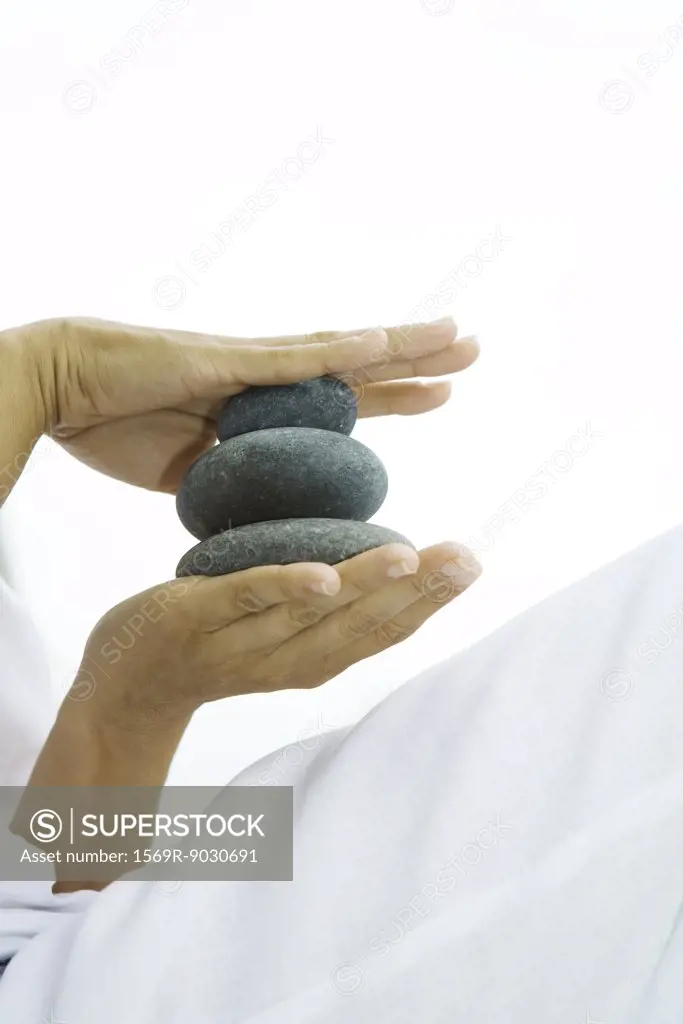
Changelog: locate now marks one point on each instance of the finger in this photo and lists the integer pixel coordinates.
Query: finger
(395, 631)
(402, 399)
(408, 340)
(373, 399)
(370, 384)
(359, 576)
(381, 399)
(215, 602)
(389, 367)
(437, 594)
(451, 566)
(453, 359)
(254, 364)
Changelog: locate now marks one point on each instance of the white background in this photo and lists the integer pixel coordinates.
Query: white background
(129, 132)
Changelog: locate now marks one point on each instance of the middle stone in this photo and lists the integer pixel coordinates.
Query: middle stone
(281, 473)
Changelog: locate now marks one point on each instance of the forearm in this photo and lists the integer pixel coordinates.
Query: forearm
(23, 404)
(89, 745)
(88, 749)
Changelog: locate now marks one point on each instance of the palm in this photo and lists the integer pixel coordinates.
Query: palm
(152, 450)
(145, 403)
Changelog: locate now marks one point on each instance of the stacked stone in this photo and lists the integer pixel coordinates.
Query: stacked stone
(286, 483)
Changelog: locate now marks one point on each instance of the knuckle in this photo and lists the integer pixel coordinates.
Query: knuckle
(440, 587)
(247, 600)
(64, 328)
(281, 358)
(322, 337)
(302, 614)
(358, 624)
(390, 633)
(365, 585)
(419, 583)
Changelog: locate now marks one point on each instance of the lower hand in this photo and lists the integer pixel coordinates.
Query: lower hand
(200, 638)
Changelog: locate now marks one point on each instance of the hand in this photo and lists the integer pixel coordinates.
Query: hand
(154, 659)
(151, 661)
(140, 403)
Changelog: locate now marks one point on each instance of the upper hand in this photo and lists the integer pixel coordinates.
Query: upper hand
(139, 403)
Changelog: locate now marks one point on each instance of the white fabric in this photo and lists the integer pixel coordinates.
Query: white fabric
(28, 705)
(500, 841)
(27, 701)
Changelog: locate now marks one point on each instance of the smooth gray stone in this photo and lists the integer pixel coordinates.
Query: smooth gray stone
(285, 473)
(282, 542)
(324, 403)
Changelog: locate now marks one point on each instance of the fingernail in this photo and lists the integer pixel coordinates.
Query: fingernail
(470, 345)
(464, 568)
(398, 569)
(377, 334)
(323, 587)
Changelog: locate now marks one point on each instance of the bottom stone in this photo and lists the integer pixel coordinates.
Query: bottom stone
(282, 541)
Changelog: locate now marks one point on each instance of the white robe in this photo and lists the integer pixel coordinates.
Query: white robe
(499, 841)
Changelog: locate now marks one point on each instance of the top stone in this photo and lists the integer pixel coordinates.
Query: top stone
(324, 403)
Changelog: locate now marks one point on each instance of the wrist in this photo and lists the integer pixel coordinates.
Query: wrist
(123, 711)
(41, 343)
(24, 405)
(90, 747)
(124, 747)
(27, 358)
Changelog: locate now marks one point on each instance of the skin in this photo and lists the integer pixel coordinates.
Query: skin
(139, 404)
